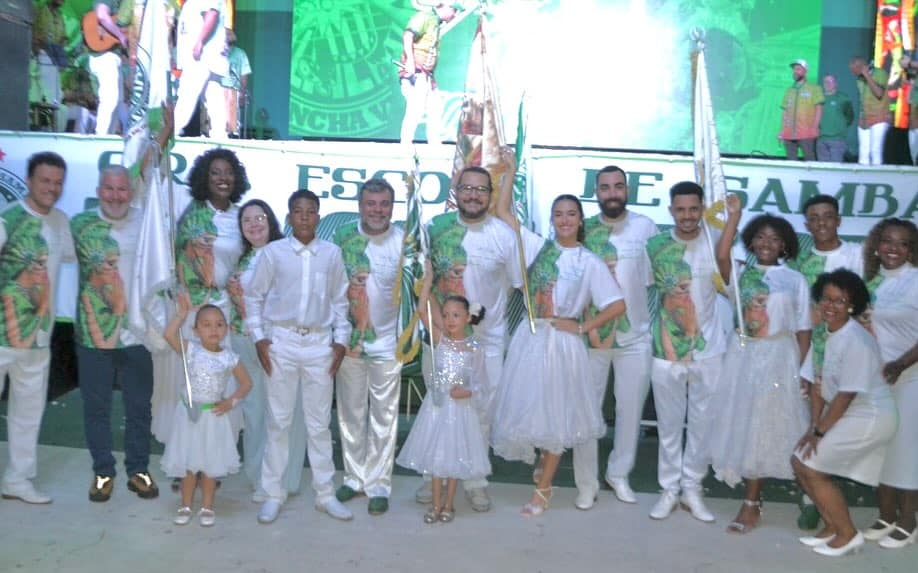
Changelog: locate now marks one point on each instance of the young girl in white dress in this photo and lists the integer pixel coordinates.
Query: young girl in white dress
(445, 441)
(202, 446)
(760, 410)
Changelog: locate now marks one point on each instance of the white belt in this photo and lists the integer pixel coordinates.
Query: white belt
(301, 330)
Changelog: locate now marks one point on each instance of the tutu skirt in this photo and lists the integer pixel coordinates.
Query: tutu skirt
(546, 398)
(446, 441)
(758, 411)
(207, 446)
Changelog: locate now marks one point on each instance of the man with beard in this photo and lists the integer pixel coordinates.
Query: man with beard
(802, 105)
(619, 237)
(688, 343)
(481, 250)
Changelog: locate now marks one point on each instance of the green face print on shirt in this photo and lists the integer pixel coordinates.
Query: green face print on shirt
(101, 304)
(357, 265)
(596, 239)
(194, 253)
(24, 285)
(676, 333)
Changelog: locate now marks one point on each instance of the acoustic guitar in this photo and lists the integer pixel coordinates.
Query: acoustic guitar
(97, 38)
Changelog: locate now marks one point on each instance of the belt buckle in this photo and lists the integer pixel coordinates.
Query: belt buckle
(302, 330)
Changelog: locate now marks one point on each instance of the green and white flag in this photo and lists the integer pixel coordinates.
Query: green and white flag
(154, 266)
(150, 88)
(522, 182)
(411, 263)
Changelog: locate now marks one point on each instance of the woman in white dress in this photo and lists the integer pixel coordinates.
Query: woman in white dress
(890, 259)
(258, 226)
(853, 411)
(207, 247)
(761, 413)
(546, 399)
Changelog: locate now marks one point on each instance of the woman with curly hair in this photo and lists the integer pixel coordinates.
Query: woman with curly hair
(852, 409)
(208, 245)
(761, 413)
(890, 259)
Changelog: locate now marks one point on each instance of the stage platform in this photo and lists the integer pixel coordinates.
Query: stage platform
(129, 534)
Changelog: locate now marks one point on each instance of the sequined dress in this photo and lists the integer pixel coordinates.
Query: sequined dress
(759, 411)
(207, 445)
(445, 439)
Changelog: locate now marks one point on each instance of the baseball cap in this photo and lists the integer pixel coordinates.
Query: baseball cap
(801, 63)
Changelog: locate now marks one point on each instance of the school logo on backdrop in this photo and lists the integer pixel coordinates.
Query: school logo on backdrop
(342, 80)
(12, 187)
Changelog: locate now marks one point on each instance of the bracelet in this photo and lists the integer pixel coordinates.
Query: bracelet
(817, 433)
(580, 328)
(233, 401)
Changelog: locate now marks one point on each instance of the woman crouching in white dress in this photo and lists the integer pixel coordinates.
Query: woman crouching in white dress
(852, 409)
(546, 398)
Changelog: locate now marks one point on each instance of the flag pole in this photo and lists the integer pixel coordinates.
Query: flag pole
(705, 166)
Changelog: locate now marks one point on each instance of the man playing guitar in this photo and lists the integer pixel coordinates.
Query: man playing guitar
(104, 57)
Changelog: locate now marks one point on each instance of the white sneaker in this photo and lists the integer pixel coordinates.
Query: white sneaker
(692, 500)
(269, 511)
(424, 494)
(585, 500)
(478, 497)
(335, 508)
(24, 491)
(622, 489)
(665, 505)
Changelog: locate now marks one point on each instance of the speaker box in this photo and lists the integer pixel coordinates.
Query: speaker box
(15, 46)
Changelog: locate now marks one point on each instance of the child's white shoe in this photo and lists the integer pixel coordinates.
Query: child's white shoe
(206, 517)
(182, 516)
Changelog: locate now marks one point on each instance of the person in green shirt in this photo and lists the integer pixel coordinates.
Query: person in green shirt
(873, 117)
(837, 117)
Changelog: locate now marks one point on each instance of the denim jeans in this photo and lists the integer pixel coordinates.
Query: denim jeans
(99, 370)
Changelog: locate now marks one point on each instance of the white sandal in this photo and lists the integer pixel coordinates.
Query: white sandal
(535, 509)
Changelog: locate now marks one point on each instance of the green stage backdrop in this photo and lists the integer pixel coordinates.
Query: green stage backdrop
(596, 73)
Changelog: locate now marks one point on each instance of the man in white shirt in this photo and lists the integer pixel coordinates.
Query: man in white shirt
(688, 344)
(369, 379)
(201, 53)
(619, 237)
(475, 255)
(34, 240)
(296, 309)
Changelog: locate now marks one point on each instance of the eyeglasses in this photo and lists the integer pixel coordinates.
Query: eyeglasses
(256, 219)
(834, 301)
(473, 189)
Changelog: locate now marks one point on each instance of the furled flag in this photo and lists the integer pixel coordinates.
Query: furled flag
(481, 133)
(709, 170)
(154, 266)
(411, 263)
(522, 183)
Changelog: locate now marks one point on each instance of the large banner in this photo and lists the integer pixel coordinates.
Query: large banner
(596, 73)
(335, 171)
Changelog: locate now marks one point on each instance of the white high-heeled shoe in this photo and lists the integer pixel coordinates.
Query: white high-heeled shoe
(534, 509)
(874, 533)
(813, 541)
(890, 542)
(853, 546)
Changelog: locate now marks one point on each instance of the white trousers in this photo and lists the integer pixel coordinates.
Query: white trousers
(494, 366)
(682, 392)
(367, 393)
(254, 436)
(870, 143)
(299, 363)
(28, 370)
(421, 99)
(196, 79)
(632, 381)
(106, 68)
(913, 144)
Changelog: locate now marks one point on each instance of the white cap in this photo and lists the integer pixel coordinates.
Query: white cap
(801, 63)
